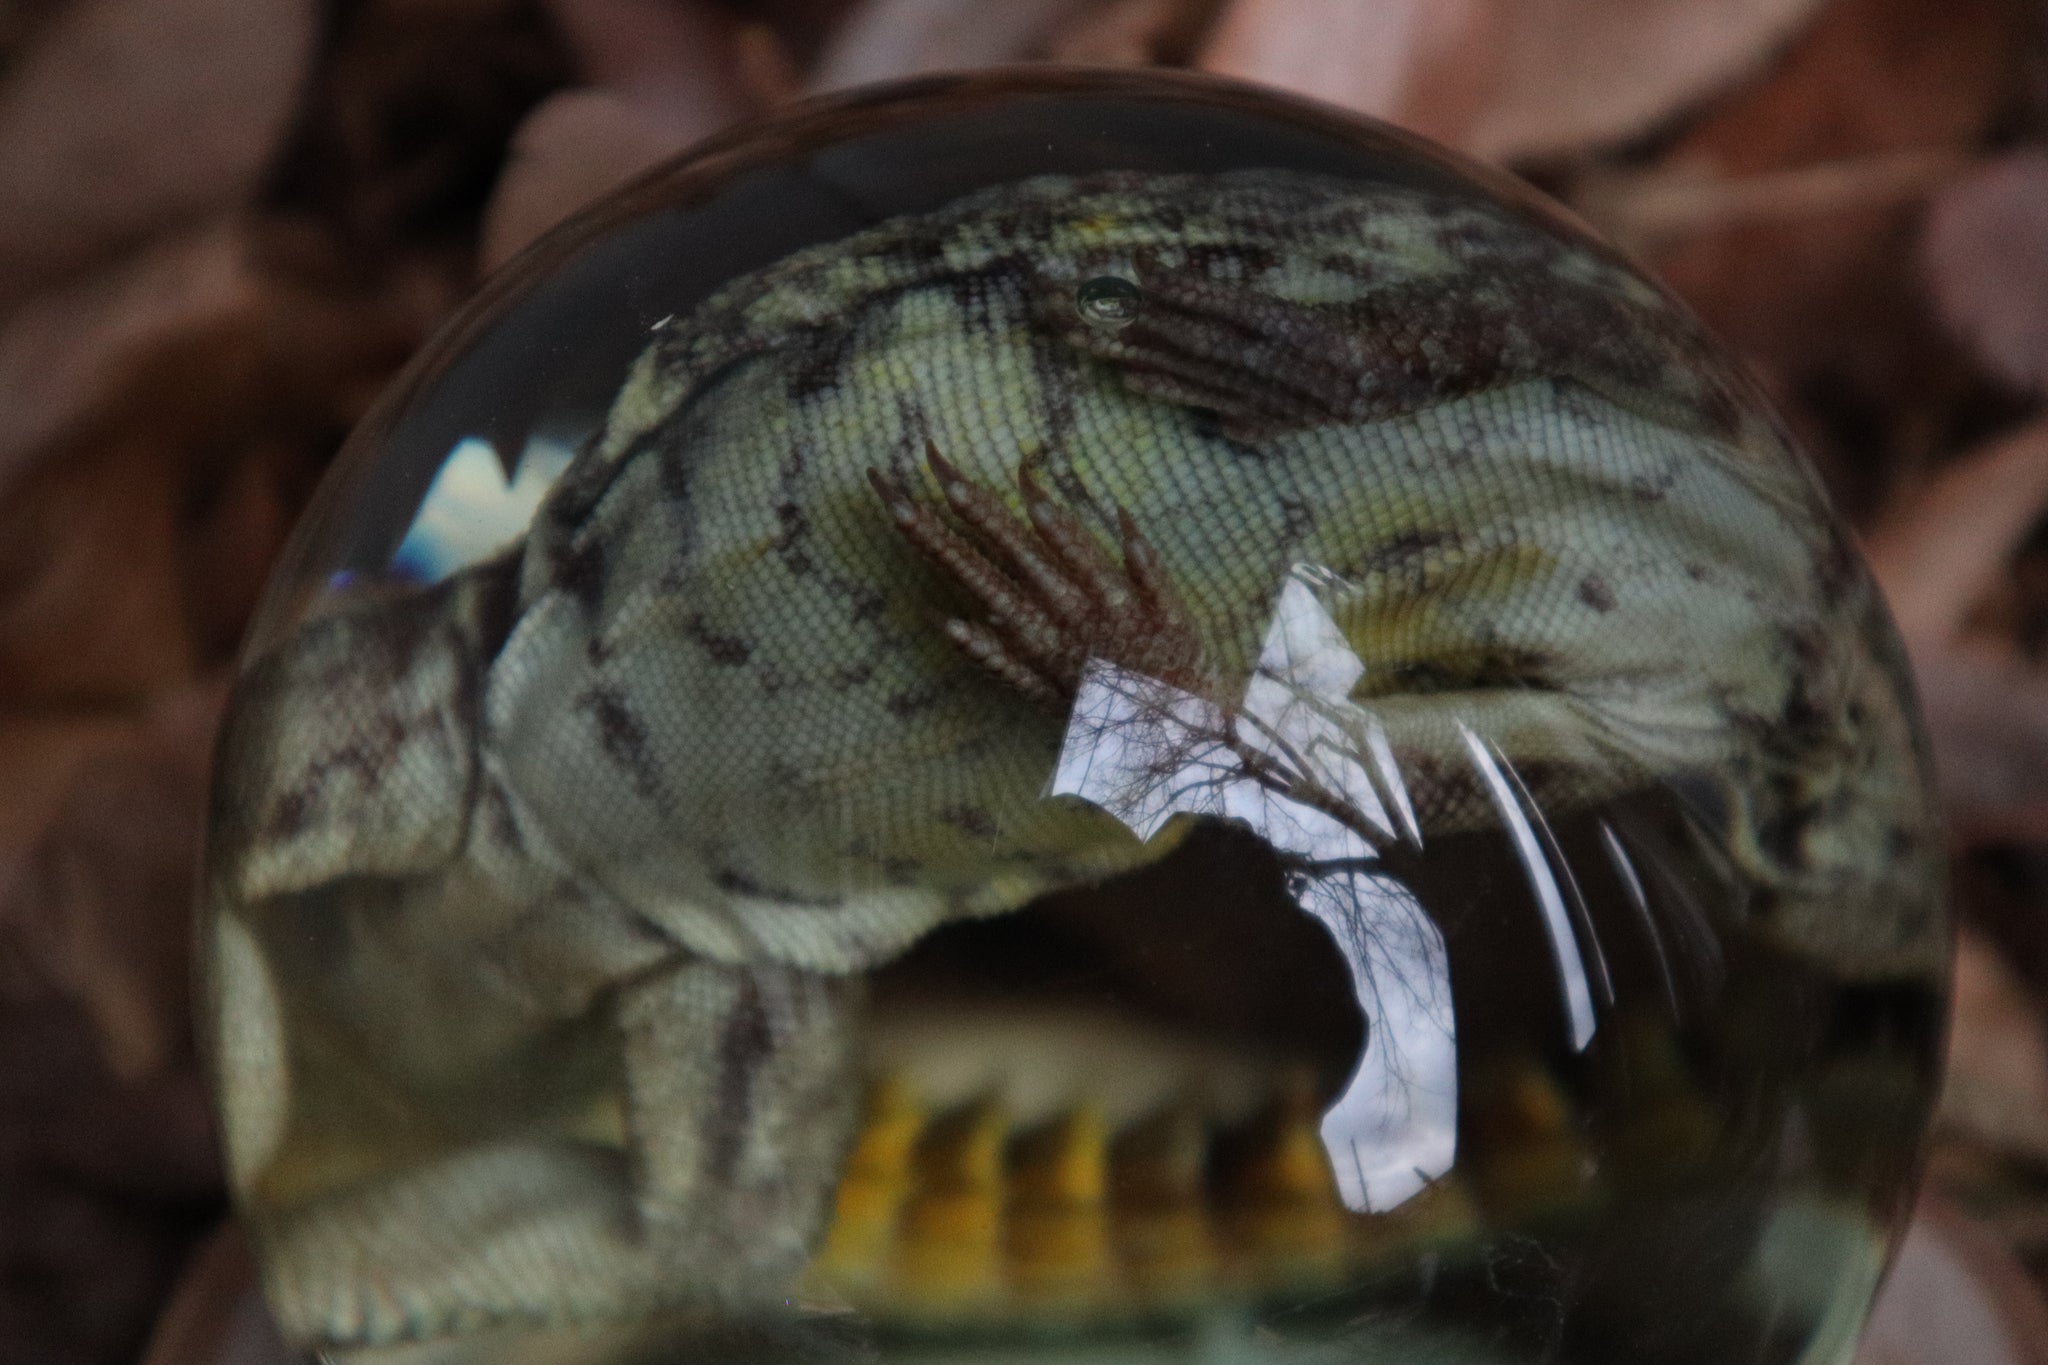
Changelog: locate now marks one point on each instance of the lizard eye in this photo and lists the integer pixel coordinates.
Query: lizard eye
(1108, 301)
(808, 792)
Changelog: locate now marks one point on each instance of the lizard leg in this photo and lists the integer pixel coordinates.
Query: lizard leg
(1052, 597)
(741, 1105)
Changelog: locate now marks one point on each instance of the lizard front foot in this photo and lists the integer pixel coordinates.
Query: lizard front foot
(1052, 596)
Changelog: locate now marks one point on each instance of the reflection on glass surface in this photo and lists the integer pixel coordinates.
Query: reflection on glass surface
(1070, 718)
(472, 511)
(1289, 764)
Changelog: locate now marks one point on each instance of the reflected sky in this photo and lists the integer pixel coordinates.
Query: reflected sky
(1311, 772)
(1520, 817)
(1146, 751)
(472, 510)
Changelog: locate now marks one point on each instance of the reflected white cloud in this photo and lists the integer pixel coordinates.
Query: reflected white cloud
(471, 511)
(1638, 900)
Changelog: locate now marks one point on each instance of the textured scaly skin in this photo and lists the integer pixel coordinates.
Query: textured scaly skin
(625, 814)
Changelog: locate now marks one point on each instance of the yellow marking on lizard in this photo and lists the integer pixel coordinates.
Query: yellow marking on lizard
(954, 1219)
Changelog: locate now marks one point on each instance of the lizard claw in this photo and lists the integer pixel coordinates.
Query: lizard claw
(1053, 597)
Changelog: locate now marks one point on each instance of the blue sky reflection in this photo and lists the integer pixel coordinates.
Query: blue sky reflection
(1146, 751)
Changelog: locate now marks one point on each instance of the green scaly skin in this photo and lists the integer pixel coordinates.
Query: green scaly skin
(541, 899)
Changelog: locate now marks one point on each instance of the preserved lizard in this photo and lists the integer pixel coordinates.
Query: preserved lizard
(774, 685)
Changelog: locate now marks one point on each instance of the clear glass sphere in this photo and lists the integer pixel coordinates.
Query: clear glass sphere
(1064, 718)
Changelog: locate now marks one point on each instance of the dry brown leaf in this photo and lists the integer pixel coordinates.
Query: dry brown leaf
(1429, 65)
(1648, 211)
(1986, 258)
(1835, 288)
(1995, 1087)
(101, 1183)
(675, 59)
(20, 22)
(69, 353)
(1505, 78)
(888, 39)
(1132, 32)
(100, 907)
(1828, 156)
(1954, 1296)
(665, 75)
(217, 1316)
(228, 548)
(127, 116)
(64, 1118)
(1987, 715)
(765, 67)
(1359, 56)
(1579, 73)
(1866, 76)
(1939, 549)
(91, 609)
(1938, 552)
(573, 149)
(153, 411)
(333, 332)
(403, 128)
(44, 752)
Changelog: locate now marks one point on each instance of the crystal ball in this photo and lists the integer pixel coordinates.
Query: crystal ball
(1070, 717)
